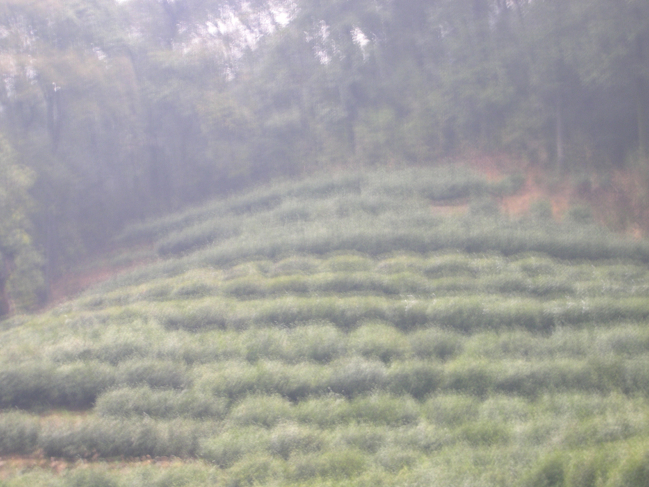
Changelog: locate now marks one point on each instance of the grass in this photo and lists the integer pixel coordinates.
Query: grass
(339, 332)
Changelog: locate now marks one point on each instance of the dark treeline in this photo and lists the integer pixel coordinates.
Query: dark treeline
(115, 111)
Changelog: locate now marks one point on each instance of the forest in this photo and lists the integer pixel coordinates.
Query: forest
(112, 112)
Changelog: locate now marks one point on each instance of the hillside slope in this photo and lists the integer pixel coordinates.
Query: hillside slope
(343, 331)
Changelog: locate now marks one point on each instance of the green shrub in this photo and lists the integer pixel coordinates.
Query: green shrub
(144, 401)
(244, 287)
(231, 445)
(194, 289)
(318, 341)
(423, 436)
(449, 265)
(634, 470)
(27, 385)
(324, 411)
(236, 379)
(636, 377)
(382, 408)
(18, 433)
(258, 470)
(91, 477)
(264, 343)
(288, 438)
(156, 292)
(231, 378)
(194, 318)
(108, 438)
(114, 352)
(507, 284)
(451, 409)
(355, 375)
(77, 385)
(588, 469)
(418, 379)
(395, 459)
(296, 265)
(378, 340)
(475, 378)
(548, 472)
(261, 410)
(294, 382)
(626, 340)
(199, 235)
(488, 433)
(349, 263)
(334, 464)
(154, 373)
(400, 262)
(365, 436)
(289, 285)
(435, 343)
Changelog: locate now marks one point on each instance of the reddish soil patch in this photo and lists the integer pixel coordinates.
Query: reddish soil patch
(75, 281)
(621, 201)
(534, 190)
(495, 166)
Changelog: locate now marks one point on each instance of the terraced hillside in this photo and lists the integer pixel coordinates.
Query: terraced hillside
(343, 331)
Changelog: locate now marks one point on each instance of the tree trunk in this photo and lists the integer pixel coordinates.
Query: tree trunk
(559, 133)
(641, 111)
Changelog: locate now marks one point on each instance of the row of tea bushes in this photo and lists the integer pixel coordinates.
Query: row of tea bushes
(162, 388)
(380, 432)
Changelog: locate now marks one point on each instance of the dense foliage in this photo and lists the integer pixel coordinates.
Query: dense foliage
(343, 331)
(123, 110)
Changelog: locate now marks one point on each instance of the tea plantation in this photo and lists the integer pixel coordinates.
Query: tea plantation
(343, 331)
